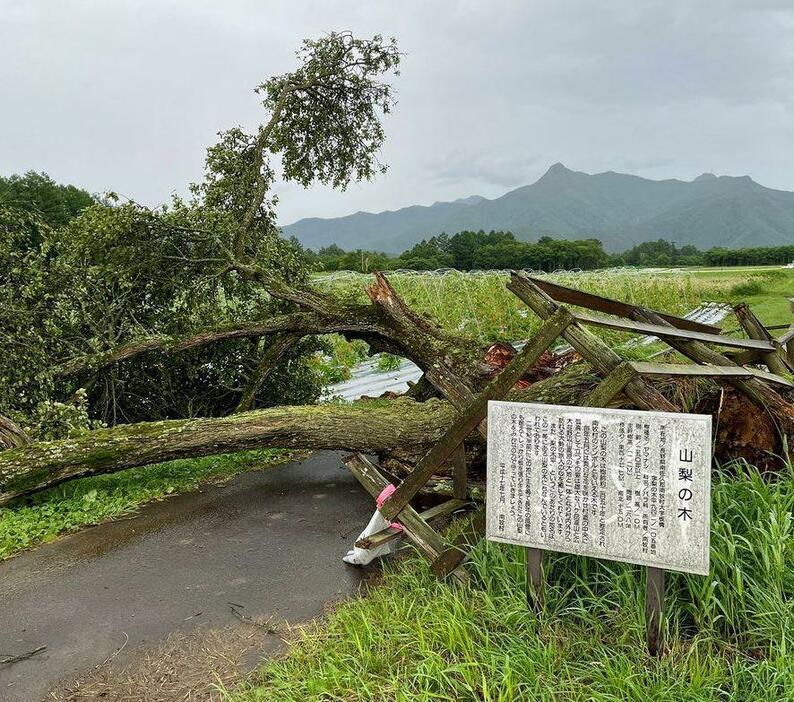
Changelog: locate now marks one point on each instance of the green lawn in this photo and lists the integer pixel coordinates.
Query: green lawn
(411, 639)
(81, 503)
(767, 291)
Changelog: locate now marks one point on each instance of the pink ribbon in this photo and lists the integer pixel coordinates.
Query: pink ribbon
(385, 494)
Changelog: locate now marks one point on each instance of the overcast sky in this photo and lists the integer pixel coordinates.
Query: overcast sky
(125, 95)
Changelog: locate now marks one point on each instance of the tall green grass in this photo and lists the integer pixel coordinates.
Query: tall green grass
(479, 305)
(412, 639)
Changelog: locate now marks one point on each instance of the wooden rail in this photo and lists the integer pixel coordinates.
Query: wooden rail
(572, 296)
(666, 332)
(620, 376)
(673, 369)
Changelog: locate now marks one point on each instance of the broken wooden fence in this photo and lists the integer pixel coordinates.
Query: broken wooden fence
(547, 300)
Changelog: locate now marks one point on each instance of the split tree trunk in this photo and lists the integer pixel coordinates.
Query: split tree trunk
(402, 429)
(11, 434)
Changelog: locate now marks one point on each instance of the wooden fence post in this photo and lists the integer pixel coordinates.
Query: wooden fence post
(471, 416)
(775, 360)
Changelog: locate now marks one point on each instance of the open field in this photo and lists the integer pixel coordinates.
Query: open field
(477, 304)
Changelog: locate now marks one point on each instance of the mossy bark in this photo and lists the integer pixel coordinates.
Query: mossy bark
(401, 425)
(400, 428)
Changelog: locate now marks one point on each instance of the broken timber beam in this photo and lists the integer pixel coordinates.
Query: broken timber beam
(681, 369)
(425, 537)
(571, 296)
(459, 473)
(449, 559)
(612, 384)
(753, 388)
(667, 331)
(475, 412)
(390, 533)
(454, 390)
(775, 360)
(588, 345)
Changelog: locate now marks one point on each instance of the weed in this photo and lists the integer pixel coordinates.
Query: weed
(414, 639)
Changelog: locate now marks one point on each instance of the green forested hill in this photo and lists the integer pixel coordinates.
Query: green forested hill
(621, 210)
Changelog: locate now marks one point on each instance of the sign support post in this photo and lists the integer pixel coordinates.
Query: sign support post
(654, 608)
(535, 582)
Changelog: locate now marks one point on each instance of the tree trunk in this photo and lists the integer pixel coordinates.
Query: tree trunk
(401, 429)
(11, 434)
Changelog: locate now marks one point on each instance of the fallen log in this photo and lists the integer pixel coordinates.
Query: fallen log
(401, 427)
(400, 430)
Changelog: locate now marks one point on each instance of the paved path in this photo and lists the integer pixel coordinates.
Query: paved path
(269, 541)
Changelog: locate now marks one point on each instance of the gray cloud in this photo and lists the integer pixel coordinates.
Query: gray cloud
(126, 95)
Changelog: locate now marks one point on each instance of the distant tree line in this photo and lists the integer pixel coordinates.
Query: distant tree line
(666, 253)
(39, 194)
(497, 250)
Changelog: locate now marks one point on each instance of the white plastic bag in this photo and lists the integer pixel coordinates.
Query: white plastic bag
(363, 556)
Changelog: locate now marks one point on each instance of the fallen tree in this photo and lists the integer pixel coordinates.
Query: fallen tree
(398, 429)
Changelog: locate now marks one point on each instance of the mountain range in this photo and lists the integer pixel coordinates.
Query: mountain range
(619, 209)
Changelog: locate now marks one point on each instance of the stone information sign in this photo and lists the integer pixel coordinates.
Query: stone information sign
(618, 484)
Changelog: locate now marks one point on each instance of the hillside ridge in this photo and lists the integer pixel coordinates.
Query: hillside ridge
(620, 209)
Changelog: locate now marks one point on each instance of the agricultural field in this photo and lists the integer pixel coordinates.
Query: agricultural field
(478, 305)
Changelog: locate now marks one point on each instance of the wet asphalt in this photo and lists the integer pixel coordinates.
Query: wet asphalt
(267, 543)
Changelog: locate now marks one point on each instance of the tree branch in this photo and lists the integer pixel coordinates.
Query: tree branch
(11, 434)
(280, 346)
(301, 323)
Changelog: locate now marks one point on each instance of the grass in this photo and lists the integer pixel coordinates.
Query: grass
(414, 639)
(89, 501)
(479, 306)
(767, 292)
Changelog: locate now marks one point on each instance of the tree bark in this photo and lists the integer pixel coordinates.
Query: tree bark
(387, 325)
(11, 434)
(400, 428)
